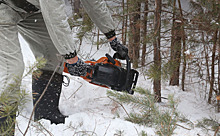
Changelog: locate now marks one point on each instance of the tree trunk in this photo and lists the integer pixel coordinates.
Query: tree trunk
(123, 23)
(126, 25)
(218, 94)
(175, 47)
(156, 44)
(144, 34)
(176, 54)
(218, 101)
(183, 36)
(131, 33)
(134, 38)
(212, 80)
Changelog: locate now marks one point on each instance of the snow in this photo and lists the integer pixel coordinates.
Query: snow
(187, 52)
(91, 112)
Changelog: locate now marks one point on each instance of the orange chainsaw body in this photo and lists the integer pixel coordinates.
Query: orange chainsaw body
(103, 60)
(108, 72)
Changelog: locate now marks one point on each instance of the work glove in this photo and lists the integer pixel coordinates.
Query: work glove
(121, 50)
(80, 68)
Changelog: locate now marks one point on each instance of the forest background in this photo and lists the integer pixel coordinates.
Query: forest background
(172, 40)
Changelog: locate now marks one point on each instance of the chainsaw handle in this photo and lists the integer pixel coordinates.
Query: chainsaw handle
(128, 62)
(110, 59)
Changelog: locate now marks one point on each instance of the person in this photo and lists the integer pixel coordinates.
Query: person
(43, 24)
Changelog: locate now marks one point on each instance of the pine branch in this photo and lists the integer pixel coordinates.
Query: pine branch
(120, 105)
(150, 114)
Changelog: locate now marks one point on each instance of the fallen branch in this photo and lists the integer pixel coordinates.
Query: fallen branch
(183, 127)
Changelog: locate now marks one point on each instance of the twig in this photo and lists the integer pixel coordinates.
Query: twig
(121, 106)
(19, 130)
(216, 131)
(34, 126)
(183, 127)
(76, 90)
(107, 128)
(136, 130)
(46, 129)
(94, 128)
(84, 133)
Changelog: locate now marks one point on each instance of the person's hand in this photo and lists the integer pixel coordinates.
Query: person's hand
(77, 67)
(72, 60)
(121, 50)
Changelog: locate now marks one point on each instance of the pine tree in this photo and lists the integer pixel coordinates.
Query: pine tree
(145, 37)
(150, 114)
(157, 55)
(134, 38)
(175, 46)
(206, 18)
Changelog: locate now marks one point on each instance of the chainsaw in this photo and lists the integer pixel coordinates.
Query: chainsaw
(108, 72)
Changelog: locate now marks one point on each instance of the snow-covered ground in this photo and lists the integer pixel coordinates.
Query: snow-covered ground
(91, 112)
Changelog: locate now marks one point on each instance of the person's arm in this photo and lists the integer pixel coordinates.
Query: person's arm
(56, 20)
(100, 15)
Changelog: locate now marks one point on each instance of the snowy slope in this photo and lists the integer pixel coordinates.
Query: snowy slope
(91, 112)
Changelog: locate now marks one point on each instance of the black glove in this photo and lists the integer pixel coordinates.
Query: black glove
(80, 68)
(121, 50)
(70, 55)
